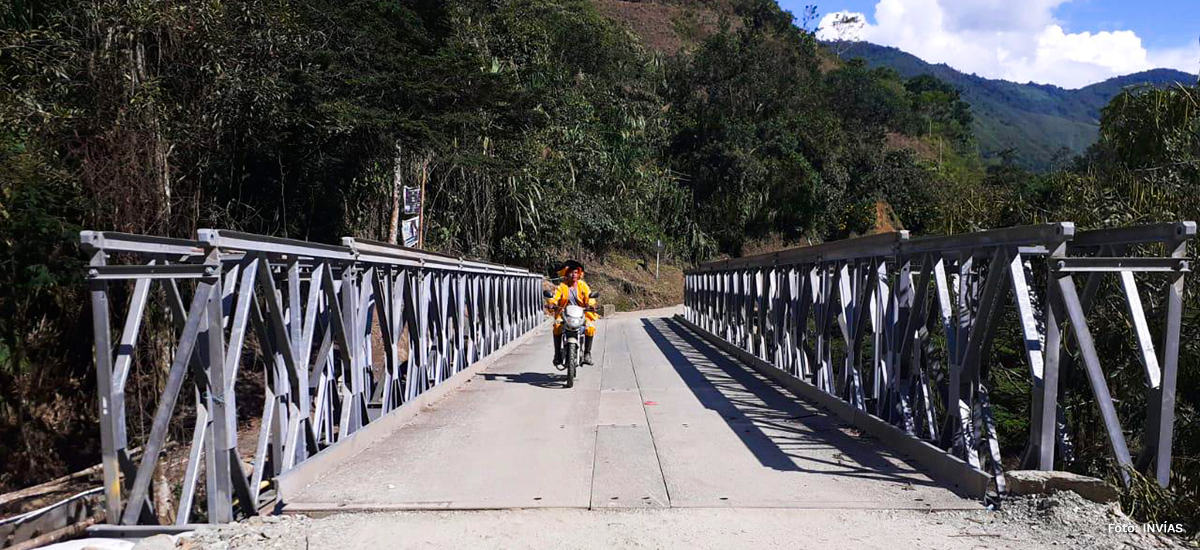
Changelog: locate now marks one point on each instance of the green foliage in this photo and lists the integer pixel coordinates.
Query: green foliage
(1155, 130)
(40, 208)
(869, 99)
(746, 111)
(767, 144)
(937, 103)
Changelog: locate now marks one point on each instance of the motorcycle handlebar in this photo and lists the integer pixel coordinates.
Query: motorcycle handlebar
(558, 309)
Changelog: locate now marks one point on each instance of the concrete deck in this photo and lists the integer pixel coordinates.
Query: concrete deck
(662, 420)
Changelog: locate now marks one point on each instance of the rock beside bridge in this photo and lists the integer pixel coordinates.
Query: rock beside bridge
(1038, 482)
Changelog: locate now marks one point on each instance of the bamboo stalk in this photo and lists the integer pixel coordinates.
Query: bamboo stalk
(58, 534)
(54, 485)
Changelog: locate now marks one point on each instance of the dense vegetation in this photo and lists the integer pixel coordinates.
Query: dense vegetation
(1039, 126)
(540, 129)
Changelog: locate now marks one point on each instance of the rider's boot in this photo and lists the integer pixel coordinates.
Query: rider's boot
(587, 350)
(558, 358)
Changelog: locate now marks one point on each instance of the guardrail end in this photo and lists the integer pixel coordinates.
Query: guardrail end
(1186, 230)
(90, 241)
(1066, 230)
(211, 237)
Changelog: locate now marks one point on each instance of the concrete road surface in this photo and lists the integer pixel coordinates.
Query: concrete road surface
(663, 420)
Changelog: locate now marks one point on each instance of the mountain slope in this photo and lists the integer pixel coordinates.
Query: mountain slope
(668, 26)
(1036, 121)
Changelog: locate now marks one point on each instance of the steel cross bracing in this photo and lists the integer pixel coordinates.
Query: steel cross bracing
(311, 309)
(918, 303)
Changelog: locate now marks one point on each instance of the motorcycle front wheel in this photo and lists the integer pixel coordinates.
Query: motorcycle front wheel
(571, 355)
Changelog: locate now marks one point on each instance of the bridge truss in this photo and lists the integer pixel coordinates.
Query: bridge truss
(927, 310)
(344, 334)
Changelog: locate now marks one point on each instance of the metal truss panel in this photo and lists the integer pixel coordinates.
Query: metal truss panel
(895, 282)
(302, 316)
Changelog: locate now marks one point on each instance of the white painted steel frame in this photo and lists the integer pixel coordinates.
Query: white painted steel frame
(312, 308)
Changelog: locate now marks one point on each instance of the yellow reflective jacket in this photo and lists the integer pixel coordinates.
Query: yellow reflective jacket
(562, 297)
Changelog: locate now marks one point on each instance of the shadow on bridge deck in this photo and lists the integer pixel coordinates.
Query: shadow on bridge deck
(662, 420)
(781, 431)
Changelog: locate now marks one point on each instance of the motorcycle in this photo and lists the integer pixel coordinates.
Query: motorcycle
(574, 329)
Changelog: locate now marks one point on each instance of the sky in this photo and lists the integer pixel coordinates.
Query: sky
(1069, 43)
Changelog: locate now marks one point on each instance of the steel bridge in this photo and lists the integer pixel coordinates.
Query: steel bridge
(847, 374)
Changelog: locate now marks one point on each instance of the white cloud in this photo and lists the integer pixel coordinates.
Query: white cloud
(1016, 40)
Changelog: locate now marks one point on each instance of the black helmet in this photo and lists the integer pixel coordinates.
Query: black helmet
(569, 265)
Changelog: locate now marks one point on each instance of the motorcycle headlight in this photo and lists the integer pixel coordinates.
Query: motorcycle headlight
(574, 322)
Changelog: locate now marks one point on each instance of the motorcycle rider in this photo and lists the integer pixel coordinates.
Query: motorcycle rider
(572, 291)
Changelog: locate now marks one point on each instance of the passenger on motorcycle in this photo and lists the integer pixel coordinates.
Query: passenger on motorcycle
(572, 291)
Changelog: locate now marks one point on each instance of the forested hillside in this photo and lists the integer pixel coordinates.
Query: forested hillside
(1038, 126)
(540, 128)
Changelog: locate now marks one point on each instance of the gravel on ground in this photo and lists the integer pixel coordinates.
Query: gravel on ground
(1061, 520)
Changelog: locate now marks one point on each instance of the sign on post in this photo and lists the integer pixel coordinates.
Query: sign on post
(412, 201)
(412, 232)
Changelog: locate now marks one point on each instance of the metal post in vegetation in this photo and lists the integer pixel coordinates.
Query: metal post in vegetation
(657, 254)
(930, 309)
(310, 311)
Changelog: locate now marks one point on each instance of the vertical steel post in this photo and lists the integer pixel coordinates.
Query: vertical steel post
(102, 334)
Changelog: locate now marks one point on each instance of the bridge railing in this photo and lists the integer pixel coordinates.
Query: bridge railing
(343, 334)
(900, 328)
